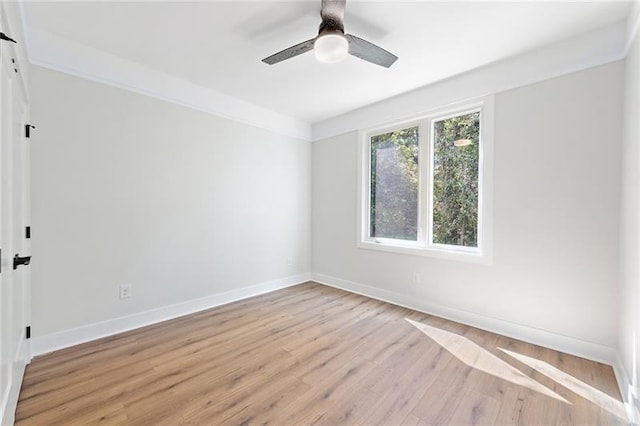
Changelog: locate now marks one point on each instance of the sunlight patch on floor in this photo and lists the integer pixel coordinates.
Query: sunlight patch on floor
(576, 386)
(479, 358)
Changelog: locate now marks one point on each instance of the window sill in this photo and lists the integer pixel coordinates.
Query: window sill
(476, 257)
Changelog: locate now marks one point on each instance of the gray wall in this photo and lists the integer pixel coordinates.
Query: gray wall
(178, 203)
(556, 207)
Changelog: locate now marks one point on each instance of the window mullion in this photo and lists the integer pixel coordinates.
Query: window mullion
(430, 165)
(365, 196)
(423, 182)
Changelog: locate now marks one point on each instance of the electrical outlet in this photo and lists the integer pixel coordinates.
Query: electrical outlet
(415, 277)
(125, 291)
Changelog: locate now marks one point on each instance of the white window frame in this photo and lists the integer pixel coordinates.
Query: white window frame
(483, 253)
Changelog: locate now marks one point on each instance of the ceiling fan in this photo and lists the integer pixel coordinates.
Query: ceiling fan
(332, 44)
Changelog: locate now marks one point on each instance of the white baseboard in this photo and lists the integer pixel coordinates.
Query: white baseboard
(63, 339)
(566, 344)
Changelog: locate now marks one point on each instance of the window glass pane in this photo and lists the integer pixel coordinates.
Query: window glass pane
(394, 185)
(455, 180)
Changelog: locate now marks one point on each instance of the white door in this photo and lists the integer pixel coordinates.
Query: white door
(14, 204)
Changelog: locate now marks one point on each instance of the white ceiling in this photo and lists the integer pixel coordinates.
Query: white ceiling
(219, 45)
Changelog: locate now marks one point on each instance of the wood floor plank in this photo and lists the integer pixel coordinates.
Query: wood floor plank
(405, 391)
(476, 408)
(445, 392)
(312, 354)
(328, 393)
(352, 410)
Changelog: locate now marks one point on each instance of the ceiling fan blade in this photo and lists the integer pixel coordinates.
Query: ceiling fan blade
(370, 52)
(290, 52)
(333, 9)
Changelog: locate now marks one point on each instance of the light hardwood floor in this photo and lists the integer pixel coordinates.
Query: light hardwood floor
(311, 354)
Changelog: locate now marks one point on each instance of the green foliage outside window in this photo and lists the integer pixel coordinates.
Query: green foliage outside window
(455, 181)
(394, 185)
(394, 182)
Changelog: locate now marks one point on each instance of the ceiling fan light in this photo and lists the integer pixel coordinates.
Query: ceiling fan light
(331, 48)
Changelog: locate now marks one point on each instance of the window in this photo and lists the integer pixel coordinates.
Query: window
(425, 184)
(454, 180)
(394, 185)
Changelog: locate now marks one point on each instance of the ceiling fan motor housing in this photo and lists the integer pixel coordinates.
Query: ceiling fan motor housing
(330, 25)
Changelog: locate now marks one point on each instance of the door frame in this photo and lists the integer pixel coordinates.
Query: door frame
(15, 346)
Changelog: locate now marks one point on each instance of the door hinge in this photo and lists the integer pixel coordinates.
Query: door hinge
(27, 130)
(5, 37)
(27, 232)
(28, 332)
